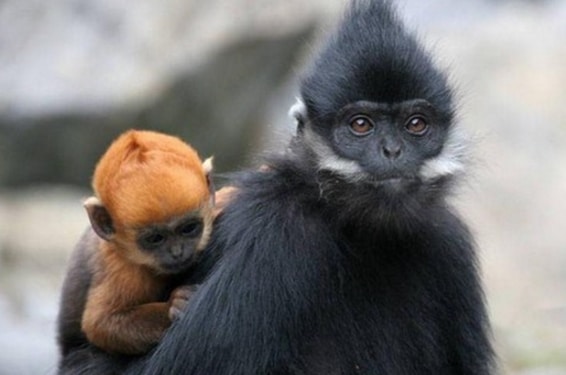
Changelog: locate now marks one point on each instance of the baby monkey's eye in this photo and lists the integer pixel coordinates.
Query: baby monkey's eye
(190, 228)
(361, 125)
(153, 239)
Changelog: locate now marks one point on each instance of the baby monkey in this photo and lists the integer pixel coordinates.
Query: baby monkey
(150, 218)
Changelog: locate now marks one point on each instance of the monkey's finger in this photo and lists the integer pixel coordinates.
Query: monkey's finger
(177, 308)
(184, 292)
(179, 303)
(175, 313)
(222, 198)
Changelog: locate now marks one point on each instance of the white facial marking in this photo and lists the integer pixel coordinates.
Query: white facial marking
(452, 159)
(328, 160)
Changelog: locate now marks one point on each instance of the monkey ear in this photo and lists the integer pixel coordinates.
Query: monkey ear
(298, 112)
(208, 168)
(100, 219)
(207, 165)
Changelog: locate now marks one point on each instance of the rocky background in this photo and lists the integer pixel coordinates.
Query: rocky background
(221, 73)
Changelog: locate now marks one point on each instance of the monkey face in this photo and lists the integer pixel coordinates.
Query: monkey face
(174, 246)
(377, 112)
(397, 147)
(389, 143)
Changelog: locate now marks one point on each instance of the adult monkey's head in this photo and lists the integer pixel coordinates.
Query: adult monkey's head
(376, 112)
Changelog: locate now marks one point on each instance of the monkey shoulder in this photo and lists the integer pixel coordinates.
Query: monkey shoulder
(285, 187)
(279, 210)
(274, 244)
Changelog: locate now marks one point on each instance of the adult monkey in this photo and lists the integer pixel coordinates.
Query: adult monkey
(343, 257)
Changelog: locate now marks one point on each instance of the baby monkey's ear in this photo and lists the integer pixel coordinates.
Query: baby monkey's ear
(100, 219)
(208, 168)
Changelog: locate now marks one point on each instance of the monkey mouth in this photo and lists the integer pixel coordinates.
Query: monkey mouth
(178, 266)
(393, 182)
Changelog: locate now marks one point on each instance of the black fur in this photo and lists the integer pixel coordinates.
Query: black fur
(321, 274)
(371, 57)
(306, 289)
(74, 295)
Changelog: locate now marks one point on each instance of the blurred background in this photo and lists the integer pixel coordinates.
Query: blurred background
(222, 74)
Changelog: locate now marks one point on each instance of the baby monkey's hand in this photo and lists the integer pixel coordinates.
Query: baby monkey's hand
(179, 299)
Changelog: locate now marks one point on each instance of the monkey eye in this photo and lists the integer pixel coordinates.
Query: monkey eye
(361, 125)
(153, 239)
(417, 125)
(190, 228)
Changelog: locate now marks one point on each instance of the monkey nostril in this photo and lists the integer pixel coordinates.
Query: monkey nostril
(177, 251)
(392, 151)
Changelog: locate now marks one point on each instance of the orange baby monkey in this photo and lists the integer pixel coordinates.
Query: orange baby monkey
(150, 218)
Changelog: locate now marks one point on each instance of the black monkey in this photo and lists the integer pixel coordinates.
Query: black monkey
(343, 257)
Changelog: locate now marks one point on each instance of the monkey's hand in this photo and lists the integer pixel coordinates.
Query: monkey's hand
(222, 198)
(179, 299)
(225, 195)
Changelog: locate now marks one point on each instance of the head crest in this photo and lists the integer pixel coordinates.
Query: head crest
(371, 57)
(147, 176)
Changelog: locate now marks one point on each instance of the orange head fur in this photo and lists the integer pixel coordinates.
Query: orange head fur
(147, 177)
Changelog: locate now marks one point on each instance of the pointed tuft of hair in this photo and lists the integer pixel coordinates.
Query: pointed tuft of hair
(371, 57)
(147, 176)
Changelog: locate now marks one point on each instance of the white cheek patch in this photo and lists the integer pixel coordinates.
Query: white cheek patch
(451, 161)
(328, 160)
(326, 157)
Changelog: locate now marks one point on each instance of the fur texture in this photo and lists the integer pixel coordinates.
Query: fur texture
(327, 266)
(147, 177)
(121, 301)
(329, 269)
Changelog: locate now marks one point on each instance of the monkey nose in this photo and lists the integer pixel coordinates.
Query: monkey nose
(391, 150)
(177, 251)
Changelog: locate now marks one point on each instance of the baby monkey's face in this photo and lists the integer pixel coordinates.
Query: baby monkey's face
(174, 245)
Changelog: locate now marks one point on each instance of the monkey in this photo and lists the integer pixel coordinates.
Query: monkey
(150, 217)
(344, 255)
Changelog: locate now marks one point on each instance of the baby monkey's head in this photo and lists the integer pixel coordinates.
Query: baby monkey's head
(153, 200)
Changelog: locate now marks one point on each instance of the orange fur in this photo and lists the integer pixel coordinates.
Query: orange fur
(121, 314)
(143, 178)
(148, 177)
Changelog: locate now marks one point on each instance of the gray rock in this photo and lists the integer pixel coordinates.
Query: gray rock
(218, 107)
(75, 74)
